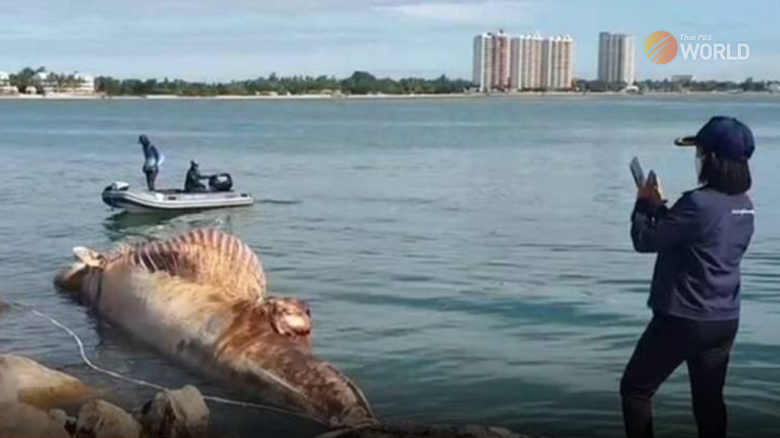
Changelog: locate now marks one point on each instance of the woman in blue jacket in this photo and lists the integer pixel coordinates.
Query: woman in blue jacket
(695, 292)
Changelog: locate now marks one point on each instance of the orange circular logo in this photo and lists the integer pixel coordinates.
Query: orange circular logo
(661, 47)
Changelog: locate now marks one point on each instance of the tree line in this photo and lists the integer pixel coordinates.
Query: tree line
(361, 83)
(669, 86)
(358, 83)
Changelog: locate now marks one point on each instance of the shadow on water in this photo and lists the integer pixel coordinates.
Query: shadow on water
(152, 226)
(280, 201)
(123, 225)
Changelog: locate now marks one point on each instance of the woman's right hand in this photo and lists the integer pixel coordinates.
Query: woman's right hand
(651, 193)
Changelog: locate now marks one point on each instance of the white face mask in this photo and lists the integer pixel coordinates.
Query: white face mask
(698, 159)
(699, 164)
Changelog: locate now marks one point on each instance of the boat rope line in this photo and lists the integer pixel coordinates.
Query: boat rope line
(139, 382)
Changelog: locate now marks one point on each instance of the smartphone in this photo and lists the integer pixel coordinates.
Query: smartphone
(637, 172)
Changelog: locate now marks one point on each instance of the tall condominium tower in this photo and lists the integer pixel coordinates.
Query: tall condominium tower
(617, 63)
(526, 62)
(539, 63)
(501, 61)
(566, 76)
(483, 62)
(492, 61)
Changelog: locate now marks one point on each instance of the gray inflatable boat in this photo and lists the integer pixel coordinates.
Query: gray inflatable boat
(121, 195)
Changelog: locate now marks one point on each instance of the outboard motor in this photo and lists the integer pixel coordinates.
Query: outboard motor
(117, 186)
(222, 182)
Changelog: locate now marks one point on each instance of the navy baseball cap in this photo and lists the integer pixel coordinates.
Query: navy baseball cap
(723, 136)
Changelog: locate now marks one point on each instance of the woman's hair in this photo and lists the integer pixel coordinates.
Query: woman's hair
(727, 176)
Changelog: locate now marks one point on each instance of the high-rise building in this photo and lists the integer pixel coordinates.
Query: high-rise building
(492, 61)
(483, 62)
(501, 61)
(566, 75)
(616, 63)
(557, 63)
(526, 62)
(514, 70)
(627, 70)
(539, 63)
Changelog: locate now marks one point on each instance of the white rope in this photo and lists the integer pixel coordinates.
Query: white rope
(211, 398)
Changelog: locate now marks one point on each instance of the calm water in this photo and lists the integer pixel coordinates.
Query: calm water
(465, 260)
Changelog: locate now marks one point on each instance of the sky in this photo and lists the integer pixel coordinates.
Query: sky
(218, 40)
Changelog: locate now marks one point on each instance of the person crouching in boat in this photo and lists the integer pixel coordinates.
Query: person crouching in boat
(192, 183)
(152, 161)
(695, 292)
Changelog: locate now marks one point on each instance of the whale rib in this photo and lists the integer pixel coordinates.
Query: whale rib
(205, 256)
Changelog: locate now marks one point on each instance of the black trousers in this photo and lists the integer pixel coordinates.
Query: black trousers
(666, 343)
(151, 175)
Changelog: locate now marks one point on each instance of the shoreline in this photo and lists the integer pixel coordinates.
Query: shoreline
(525, 94)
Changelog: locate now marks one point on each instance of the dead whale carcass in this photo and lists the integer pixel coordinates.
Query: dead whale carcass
(201, 298)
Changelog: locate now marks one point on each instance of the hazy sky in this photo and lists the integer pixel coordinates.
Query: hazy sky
(234, 39)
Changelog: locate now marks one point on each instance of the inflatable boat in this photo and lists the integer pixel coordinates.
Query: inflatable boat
(120, 195)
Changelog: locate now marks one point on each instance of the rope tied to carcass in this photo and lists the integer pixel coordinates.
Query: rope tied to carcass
(211, 398)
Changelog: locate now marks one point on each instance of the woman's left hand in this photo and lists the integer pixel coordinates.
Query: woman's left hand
(651, 193)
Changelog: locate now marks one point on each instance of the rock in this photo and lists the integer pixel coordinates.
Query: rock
(19, 420)
(412, 430)
(176, 414)
(101, 419)
(24, 380)
(9, 389)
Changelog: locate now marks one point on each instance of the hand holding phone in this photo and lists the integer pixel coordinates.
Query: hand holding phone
(651, 191)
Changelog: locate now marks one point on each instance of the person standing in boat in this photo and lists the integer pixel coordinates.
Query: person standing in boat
(192, 182)
(695, 292)
(152, 161)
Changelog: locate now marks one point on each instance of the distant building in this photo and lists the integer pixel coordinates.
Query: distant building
(483, 62)
(46, 81)
(617, 62)
(681, 79)
(631, 89)
(557, 63)
(74, 83)
(527, 62)
(5, 84)
(539, 63)
(501, 61)
(85, 84)
(492, 62)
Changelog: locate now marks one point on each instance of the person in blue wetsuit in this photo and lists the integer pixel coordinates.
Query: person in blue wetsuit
(695, 291)
(152, 161)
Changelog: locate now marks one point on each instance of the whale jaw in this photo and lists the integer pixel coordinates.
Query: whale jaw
(70, 278)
